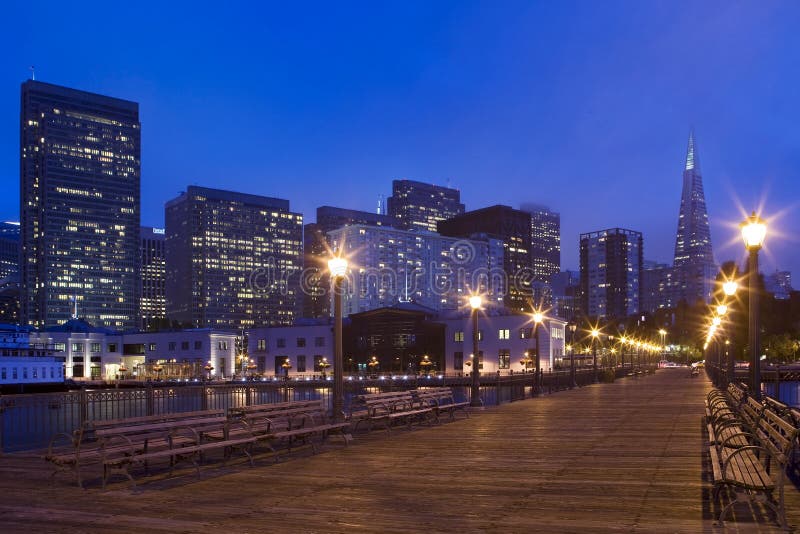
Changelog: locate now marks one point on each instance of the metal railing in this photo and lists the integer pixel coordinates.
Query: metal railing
(28, 421)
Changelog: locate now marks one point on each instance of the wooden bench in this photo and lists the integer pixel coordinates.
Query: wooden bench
(442, 401)
(388, 408)
(75, 451)
(756, 472)
(291, 421)
(122, 448)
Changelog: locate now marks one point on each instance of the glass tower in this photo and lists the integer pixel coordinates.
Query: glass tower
(611, 272)
(79, 206)
(420, 206)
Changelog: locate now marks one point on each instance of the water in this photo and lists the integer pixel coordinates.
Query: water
(788, 393)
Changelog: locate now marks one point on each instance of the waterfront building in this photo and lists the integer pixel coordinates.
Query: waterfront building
(27, 361)
(316, 282)
(389, 266)
(152, 292)
(420, 206)
(694, 267)
(79, 206)
(504, 340)
(307, 345)
(98, 353)
(545, 241)
(611, 272)
(513, 228)
(233, 260)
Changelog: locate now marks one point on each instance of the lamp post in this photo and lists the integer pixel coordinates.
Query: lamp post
(538, 317)
(754, 230)
(595, 335)
(729, 288)
(337, 267)
(572, 328)
(475, 302)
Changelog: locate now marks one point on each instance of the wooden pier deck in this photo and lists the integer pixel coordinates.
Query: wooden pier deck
(622, 457)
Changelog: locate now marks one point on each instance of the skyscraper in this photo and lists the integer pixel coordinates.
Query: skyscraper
(152, 296)
(233, 259)
(611, 272)
(694, 259)
(513, 228)
(417, 205)
(79, 206)
(545, 241)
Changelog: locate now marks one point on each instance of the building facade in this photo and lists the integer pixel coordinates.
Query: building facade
(545, 241)
(513, 228)
(307, 346)
(779, 284)
(611, 272)
(420, 206)
(153, 270)
(694, 266)
(79, 206)
(233, 260)
(504, 340)
(659, 287)
(390, 266)
(96, 353)
(316, 282)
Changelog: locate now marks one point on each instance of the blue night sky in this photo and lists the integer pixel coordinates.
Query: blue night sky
(582, 106)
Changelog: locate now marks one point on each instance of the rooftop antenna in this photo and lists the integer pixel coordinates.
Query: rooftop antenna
(33, 72)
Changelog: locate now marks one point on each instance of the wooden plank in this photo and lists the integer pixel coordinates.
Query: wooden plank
(629, 456)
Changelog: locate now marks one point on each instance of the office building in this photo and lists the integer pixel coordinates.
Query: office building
(779, 284)
(153, 269)
(513, 228)
(545, 241)
(389, 266)
(659, 287)
(233, 260)
(9, 251)
(420, 206)
(79, 206)
(611, 272)
(694, 266)
(316, 282)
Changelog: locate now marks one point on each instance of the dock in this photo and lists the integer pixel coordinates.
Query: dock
(629, 456)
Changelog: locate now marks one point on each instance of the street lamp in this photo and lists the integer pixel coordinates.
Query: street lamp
(595, 335)
(754, 230)
(538, 317)
(572, 328)
(337, 267)
(475, 303)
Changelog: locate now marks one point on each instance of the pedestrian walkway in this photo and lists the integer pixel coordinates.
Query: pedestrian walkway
(626, 457)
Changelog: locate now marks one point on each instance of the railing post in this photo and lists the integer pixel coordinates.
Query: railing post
(84, 406)
(149, 399)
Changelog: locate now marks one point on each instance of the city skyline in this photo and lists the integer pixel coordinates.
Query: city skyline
(338, 134)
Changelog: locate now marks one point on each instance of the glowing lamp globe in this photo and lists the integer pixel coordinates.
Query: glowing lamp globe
(754, 230)
(337, 266)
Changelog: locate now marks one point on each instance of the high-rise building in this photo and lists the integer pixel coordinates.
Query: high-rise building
(9, 250)
(566, 289)
(779, 284)
(611, 271)
(233, 259)
(152, 296)
(420, 206)
(658, 287)
(316, 281)
(545, 241)
(391, 266)
(79, 206)
(694, 266)
(513, 228)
